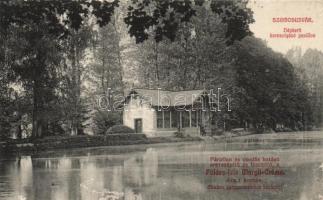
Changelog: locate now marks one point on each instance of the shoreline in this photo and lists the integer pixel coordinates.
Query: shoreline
(310, 139)
(59, 143)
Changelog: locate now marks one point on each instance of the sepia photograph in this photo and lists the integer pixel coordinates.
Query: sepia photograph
(161, 100)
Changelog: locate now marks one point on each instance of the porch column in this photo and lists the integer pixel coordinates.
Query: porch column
(170, 119)
(197, 118)
(180, 119)
(163, 119)
(190, 118)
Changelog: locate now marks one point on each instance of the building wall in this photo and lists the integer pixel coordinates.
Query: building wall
(191, 131)
(136, 110)
(165, 132)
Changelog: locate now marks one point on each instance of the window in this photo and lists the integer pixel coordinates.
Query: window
(194, 118)
(199, 117)
(159, 119)
(166, 119)
(175, 119)
(185, 119)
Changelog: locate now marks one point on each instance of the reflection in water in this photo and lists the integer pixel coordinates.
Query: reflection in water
(24, 175)
(16, 179)
(164, 173)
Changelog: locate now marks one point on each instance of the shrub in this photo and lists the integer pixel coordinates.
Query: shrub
(119, 129)
(105, 120)
(238, 131)
(179, 134)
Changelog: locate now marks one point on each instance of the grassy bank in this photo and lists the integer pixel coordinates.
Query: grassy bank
(83, 141)
(282, 140)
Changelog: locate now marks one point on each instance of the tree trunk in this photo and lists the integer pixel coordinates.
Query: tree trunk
(76, 84)
(37, 120)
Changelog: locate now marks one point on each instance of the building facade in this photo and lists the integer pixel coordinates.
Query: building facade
(162, 113)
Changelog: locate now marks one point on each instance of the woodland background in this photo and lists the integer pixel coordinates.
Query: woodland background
(58, 57)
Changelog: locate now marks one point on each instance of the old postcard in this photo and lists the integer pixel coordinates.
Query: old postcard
(161, 99)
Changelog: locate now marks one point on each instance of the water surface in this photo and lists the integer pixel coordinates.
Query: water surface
(157, 172)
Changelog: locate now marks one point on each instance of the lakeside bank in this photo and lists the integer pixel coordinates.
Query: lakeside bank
(33, 146)
(282, 140)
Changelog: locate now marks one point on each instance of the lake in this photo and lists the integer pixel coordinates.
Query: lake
(186, 171)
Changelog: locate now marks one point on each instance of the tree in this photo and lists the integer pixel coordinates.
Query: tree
(270, 91)
(37, 50)
(57, 16)
(42, 28)
(197, 54)
(309, 68)
(6, 75)
(75, 46)
(36, 56)
(106, 75)
(165, 17)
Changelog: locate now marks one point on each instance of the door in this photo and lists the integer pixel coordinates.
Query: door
(138, 125)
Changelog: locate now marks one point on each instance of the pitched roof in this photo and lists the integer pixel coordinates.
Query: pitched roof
(168, 98)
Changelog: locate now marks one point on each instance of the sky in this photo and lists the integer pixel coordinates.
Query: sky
(265, 10)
